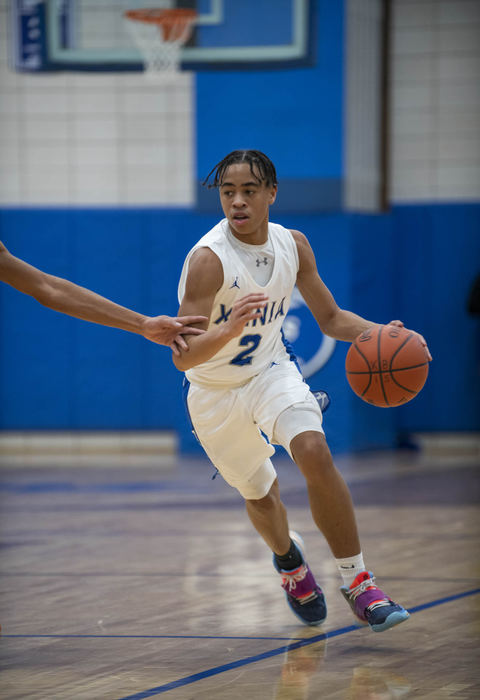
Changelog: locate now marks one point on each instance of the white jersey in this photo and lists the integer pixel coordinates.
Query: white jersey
(261, 342)
(258, 259)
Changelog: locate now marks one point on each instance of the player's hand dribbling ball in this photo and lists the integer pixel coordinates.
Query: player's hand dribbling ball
(387, 365)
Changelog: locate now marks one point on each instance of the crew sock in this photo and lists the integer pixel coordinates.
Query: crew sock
(350, 567)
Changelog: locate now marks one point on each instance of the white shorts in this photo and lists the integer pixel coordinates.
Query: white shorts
(236, 427)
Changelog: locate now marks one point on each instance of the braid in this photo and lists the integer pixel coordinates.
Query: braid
(264, 168)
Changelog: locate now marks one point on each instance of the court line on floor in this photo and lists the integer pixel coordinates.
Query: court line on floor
(187, 680)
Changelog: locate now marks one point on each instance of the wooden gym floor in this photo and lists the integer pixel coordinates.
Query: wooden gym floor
(138, 583)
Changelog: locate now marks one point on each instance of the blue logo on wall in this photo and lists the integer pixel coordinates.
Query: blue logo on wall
(312, 348)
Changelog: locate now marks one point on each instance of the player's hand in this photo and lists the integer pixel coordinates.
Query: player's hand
(244, 310)
(420, 337)
(169, 331)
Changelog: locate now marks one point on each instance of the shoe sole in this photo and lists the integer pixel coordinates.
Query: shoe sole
(393, 619)
(309, 623)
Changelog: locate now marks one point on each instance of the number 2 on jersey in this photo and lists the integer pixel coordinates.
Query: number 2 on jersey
(245, 357)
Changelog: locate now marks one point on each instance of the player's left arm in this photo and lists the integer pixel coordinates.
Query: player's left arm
(335, 322)
(61, 295)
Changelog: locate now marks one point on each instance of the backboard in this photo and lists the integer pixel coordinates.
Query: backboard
(92, 35)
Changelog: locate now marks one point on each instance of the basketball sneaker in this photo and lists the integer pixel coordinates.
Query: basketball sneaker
(304, 596)
(323, 399)
(371, 606)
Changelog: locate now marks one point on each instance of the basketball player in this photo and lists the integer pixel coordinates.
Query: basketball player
(69, 298)
(242, 384)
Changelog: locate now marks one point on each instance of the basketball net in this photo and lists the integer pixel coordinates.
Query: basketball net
(160, 36)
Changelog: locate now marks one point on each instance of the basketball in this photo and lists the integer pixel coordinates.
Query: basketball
(387, 365)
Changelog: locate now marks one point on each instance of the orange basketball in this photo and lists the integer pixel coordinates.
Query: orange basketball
(387, 365)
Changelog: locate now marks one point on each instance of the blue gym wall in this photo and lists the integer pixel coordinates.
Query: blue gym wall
(415, 263)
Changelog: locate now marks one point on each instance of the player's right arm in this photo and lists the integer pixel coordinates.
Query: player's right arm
(204, 279)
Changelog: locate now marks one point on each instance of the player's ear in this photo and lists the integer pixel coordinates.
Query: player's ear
(273, 194)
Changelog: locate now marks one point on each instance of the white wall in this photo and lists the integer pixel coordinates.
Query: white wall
(435, 142)
(88, 138)
(362, 121)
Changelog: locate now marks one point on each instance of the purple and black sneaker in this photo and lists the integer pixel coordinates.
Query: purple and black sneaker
(304, 596)
(371, 606)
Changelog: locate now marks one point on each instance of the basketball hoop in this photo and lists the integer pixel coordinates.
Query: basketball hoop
(160, 35)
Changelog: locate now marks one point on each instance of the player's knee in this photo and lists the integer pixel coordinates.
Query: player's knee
(310, 451)
(264, 503)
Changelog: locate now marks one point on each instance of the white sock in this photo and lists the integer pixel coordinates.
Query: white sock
(350, 567)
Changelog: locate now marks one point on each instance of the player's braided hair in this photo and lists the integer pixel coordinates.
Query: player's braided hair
(261, 167)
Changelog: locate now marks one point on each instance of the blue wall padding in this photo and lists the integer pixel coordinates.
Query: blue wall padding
(437, 262)
(416, 263)
(57, 372)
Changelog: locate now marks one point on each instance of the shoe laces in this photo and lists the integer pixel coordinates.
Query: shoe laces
(353, 593)
(363, 586)
(291, 578)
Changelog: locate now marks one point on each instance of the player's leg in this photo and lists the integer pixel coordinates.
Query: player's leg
(333, 513)
(241, 454)
(269, 518)
(266, 511)
(329, 497)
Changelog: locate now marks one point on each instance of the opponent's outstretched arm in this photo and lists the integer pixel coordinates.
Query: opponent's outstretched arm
(61, 295)
(335, 322)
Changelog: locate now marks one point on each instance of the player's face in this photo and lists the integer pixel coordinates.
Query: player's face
(245, 202)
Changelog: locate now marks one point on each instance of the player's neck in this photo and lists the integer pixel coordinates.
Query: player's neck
(257, 237)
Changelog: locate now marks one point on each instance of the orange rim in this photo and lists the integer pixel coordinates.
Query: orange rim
(171, 21)
(152, 16)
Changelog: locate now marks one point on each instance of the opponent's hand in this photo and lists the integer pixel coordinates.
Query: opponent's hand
(166, 330)
(420, 337)
(244, 310)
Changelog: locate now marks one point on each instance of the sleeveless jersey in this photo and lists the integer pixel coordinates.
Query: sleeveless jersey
(261, 342)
